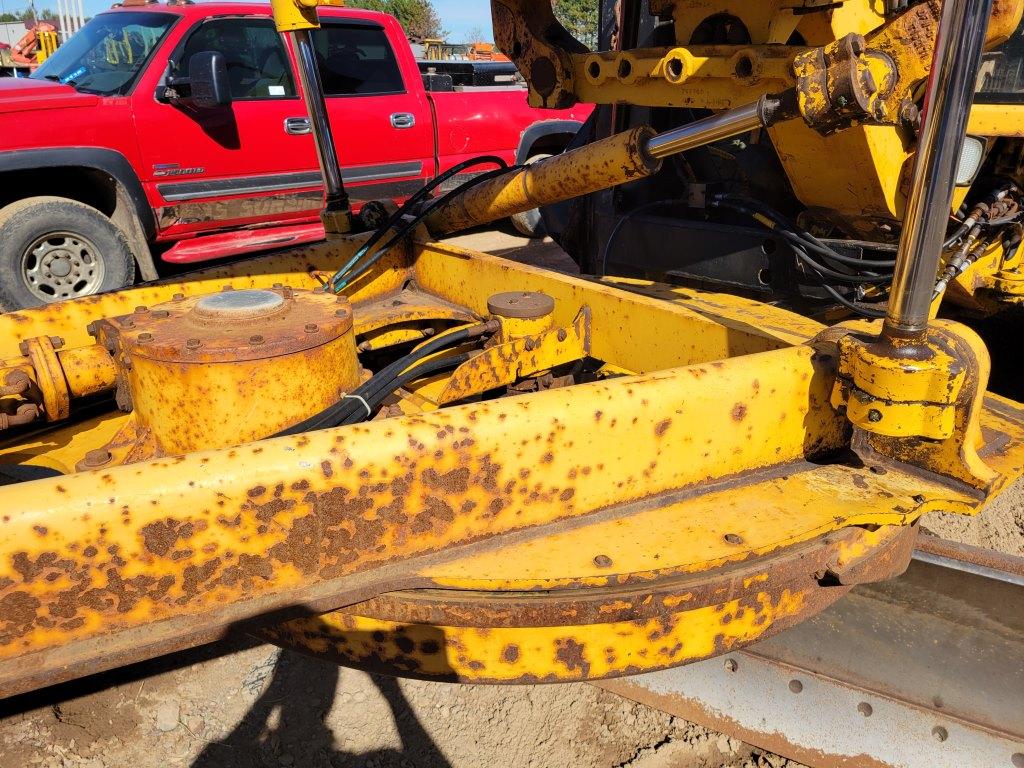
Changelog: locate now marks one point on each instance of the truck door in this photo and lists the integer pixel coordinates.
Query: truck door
(239, 165)
(382, 125)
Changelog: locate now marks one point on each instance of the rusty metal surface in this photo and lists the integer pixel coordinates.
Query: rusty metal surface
(577, 632)
(521, 494)
(921, 671)
(601, 165)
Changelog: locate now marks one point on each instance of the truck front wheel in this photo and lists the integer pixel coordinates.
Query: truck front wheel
(53, 248)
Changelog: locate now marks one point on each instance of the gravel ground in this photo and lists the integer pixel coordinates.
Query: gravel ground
(239, 703)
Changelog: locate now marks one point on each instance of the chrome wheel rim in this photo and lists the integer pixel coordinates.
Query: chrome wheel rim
(61, 265)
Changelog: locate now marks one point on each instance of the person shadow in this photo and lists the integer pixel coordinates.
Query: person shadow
(301, 693)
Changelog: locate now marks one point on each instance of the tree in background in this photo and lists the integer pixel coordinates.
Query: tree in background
(580, 18)
(476, 35)
(418, 17)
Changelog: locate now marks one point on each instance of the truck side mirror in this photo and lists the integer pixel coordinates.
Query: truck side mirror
(208, 80)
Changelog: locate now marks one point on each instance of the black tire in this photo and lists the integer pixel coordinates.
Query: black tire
(529, 223)
(53, 248)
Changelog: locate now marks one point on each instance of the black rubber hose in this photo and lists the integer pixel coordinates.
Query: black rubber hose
(858, 308)
(382, 381)
(341, 281)
(410, 203)
(812, 241)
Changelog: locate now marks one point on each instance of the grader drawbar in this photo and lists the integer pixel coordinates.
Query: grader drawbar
(441, 464)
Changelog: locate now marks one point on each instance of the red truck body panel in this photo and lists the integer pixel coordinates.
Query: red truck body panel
(209, 173)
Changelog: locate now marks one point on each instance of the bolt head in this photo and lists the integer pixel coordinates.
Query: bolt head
(256, 339)
(57, 342)
(178, 297)
(312, 328)
(939, 733)
(97, 457)
(731, 665)
(193, 344)
(145, 338)
(874, 416)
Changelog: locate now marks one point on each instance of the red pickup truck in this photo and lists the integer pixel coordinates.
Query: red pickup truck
(106, 171)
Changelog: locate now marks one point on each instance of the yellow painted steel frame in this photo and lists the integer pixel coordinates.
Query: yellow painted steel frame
(866, 190)
(702, 496)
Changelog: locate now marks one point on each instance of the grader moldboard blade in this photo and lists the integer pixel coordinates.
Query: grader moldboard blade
(563, 479)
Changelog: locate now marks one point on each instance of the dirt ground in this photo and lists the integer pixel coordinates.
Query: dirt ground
(241, 703)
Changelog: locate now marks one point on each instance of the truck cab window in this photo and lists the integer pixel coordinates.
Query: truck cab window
(258, 66)
(109, 52)
(356, 61)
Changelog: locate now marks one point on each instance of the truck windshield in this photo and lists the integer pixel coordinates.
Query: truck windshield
(108, 53)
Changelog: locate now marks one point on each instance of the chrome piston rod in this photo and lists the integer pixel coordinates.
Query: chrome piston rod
(764, 112)
(604, 164)
(958, 48)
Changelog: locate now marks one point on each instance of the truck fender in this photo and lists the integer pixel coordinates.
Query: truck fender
(132, 213)
(540, 130)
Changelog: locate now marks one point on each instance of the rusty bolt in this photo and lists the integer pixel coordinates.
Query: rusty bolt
(874, 415)
(865, 709)
(255, 339)
(795, 686)
(562, 334)
(529, 345)
(23, 348)
(731, 665)
(278, 286)
(145, 338)
(877, 470)
(732, 538)
(141, 308)
(287, 292)
(603, 561)
(57, 342)
(312, 328)
(193, 344)
(178, 297)
(227, 287)
(940, 733)
(92, 328)
(97, 457)
(160, 313)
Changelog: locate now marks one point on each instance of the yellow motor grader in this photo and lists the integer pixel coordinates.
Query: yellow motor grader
(407, 457)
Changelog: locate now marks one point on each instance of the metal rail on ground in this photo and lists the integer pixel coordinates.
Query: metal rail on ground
(926, 670)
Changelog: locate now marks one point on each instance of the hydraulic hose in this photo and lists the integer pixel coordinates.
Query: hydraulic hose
(368, 395)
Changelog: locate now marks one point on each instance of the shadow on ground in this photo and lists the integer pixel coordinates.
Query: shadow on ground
(287, 725)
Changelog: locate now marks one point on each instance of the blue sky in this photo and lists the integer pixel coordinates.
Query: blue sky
(457, 16)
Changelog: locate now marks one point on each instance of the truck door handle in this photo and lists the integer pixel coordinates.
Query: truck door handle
(297, 126)
(403, 120)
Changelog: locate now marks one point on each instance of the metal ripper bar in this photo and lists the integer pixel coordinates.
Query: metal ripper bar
(958, 47)
(924, 670)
